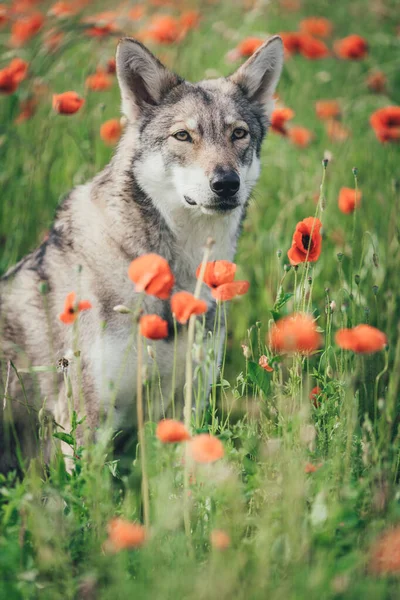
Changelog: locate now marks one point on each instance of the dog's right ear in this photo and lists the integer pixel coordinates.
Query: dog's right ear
(142, 78)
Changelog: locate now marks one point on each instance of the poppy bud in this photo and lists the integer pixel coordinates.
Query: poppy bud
(325, 163)
(287, 268)
(309, 280)
(375, 289)
(279, 253)
(340, 256)
(355, 171)
(123, 310)
(357, 279)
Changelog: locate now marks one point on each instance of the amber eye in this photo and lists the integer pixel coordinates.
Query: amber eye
(182, 136)
(239, 133)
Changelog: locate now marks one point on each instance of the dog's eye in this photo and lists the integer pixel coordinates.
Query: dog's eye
(182, 136)
(239, 133)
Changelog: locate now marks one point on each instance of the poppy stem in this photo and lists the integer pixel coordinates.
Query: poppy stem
(141, 434)
(189, 388)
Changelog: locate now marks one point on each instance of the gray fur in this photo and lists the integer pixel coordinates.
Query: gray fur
(134, 206)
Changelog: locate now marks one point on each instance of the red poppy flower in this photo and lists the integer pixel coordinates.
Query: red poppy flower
(352, 47)
(263, 362)
(72, 308)
(316, 26)
(312, 47)
(8, 83)
(228, 291)
(300, 136)
(386, 123)
(184, 305)
(164, 29)
(220, 540)
(362, 339)
(291, 42)
(348, 201)
(315, 392)
(170, 431)
(99, 82)
(376, 82)
(24, 29)
(111, 131)
(248, 46)
(153, 327)
(19, 69)
(310, 468)
(307, 241)
(123, 534)
(12, 75)
(336, 131)
(279, 118)
(218, 272)
(151, 273)
(205, 448)
(327, 109)
(385, 553)
(295, 333)
(67, 103)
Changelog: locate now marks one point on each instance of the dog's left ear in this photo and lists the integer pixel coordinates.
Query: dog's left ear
(259, 75)
(143, 79)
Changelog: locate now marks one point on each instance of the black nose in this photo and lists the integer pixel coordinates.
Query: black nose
(225, 185)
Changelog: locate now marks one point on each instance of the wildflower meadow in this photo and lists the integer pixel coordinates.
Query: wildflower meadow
(278, 476)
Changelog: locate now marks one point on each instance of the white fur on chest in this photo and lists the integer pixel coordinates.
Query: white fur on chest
(114, 363)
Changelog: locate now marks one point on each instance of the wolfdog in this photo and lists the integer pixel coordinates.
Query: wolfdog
(183, 171)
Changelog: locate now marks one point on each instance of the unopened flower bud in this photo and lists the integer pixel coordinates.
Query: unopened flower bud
(340, 256)
(309, 280)
(279, 253)
(325, 162)
(375, 289)
(123, 310)
(151, 352)
(355, 171)
(287, 268)
(357, 279)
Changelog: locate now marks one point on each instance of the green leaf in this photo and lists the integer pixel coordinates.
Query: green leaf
(65, 437)
(282, 300)
(259, 377)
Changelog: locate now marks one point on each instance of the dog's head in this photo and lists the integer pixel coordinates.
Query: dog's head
(197, 146)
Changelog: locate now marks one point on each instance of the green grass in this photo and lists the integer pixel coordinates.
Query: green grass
(294, 535)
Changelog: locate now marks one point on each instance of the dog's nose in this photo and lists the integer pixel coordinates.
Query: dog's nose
(225, 185)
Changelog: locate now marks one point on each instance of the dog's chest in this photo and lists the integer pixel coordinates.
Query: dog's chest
(115, 365)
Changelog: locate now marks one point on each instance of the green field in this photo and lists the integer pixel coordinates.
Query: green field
(303, 492)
